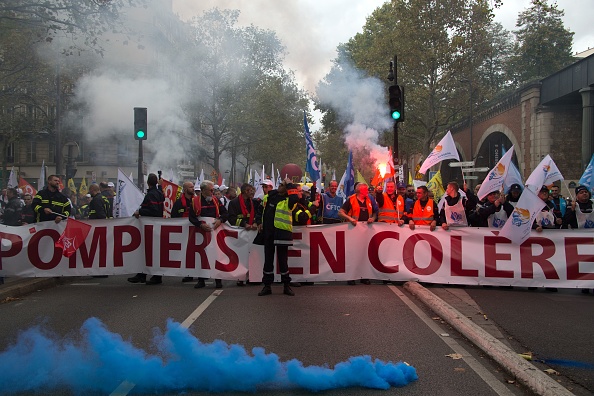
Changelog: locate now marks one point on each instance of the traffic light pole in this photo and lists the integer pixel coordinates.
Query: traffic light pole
(395, 153)
(140, 162)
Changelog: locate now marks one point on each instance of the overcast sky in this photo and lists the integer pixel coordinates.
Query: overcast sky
(311, 29)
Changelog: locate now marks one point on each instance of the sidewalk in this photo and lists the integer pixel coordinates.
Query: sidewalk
(15, 287)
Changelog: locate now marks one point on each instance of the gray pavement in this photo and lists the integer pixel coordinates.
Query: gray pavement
(462, 313)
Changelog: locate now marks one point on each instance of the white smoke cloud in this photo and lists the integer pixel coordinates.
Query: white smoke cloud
(359, 101)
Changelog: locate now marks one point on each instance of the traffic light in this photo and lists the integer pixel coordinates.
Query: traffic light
(140, 123)
(396, 102)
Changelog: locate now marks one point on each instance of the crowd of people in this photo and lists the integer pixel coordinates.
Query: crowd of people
(292, 204)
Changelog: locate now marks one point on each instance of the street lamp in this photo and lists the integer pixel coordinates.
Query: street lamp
(465, 80)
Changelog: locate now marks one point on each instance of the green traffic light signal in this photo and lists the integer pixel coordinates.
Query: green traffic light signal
(140, 123)
(396, 102)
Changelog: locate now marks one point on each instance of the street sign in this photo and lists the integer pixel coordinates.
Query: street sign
(460, 164)
(470, 177)
(484, 169)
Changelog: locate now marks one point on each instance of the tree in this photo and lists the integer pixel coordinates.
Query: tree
(246, 105)
(73, 19)
(543, 45)
(437, 44)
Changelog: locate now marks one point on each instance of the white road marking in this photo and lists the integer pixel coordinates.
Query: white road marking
(126, 386)
(474, 364)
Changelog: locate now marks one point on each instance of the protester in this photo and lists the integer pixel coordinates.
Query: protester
(513, 195)
(276, 228)
(580, 214)
(181, 208)
(391, 205)
(27, 214)
(13, 209)
(330, 205)
(424, 211)
(207, 205)
(50, 203)
(456, 208)
(83, 209)
(546, 217)
(152, 206)
(305, 211)
(493, 211)
(242, 211)
(359, 208)
(97, 205)
(107, 192)
(559, 203)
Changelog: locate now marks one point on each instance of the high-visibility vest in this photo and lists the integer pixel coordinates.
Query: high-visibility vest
(423, 215)
(388, 213)
(356, 210)
(282, 214)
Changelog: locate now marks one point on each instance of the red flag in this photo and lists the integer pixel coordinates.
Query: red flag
(73, 236)
(26, 187)
(172, 193)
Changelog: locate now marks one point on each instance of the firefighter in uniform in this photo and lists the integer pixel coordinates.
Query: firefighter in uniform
(305, 210)
(50, 203)
(275, 223)
(242, 211)
(152, 206)
(97, 205)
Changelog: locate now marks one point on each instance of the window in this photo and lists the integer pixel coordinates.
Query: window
(32, 151)
(10, 153)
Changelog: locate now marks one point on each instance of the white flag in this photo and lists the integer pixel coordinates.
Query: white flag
(496, 176)
(41, 181)
(272, 176)
(12, 179)
(544, 174)
(278, 179)
(445, 149)
(259, 194)
(340, 190)
(517, 227)
(513, 177)
(128, 197)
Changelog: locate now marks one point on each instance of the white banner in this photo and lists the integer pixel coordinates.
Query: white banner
(338, 252)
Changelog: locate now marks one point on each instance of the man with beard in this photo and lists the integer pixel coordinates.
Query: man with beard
(50, 203)
(207, 205)
(580, 213)
(559, 203)
(424, 211)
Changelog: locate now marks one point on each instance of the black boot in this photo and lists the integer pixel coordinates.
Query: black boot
(287, 290)
(187, 279)
(155, 280)
(138, 278)
(218, 284)
(200, 284)
(266, 290)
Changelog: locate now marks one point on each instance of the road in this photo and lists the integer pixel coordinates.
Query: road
(324, 324)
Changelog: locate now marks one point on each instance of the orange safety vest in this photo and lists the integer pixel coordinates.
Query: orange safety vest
(423, 215)
(389, 214)
(355, 209)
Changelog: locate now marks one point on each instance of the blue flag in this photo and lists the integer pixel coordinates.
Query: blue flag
(349, 180)
(311, 166)
(587, 178)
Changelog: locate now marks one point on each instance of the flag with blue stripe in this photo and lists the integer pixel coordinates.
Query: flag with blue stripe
(311, 166)
(349, 181)
(587, 178)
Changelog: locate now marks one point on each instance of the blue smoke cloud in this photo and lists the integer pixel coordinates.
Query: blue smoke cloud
(100, 360)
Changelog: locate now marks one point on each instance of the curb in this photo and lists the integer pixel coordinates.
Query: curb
(27, 286)
(536, 380)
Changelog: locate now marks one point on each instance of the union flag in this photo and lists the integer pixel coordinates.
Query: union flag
(73, 236)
